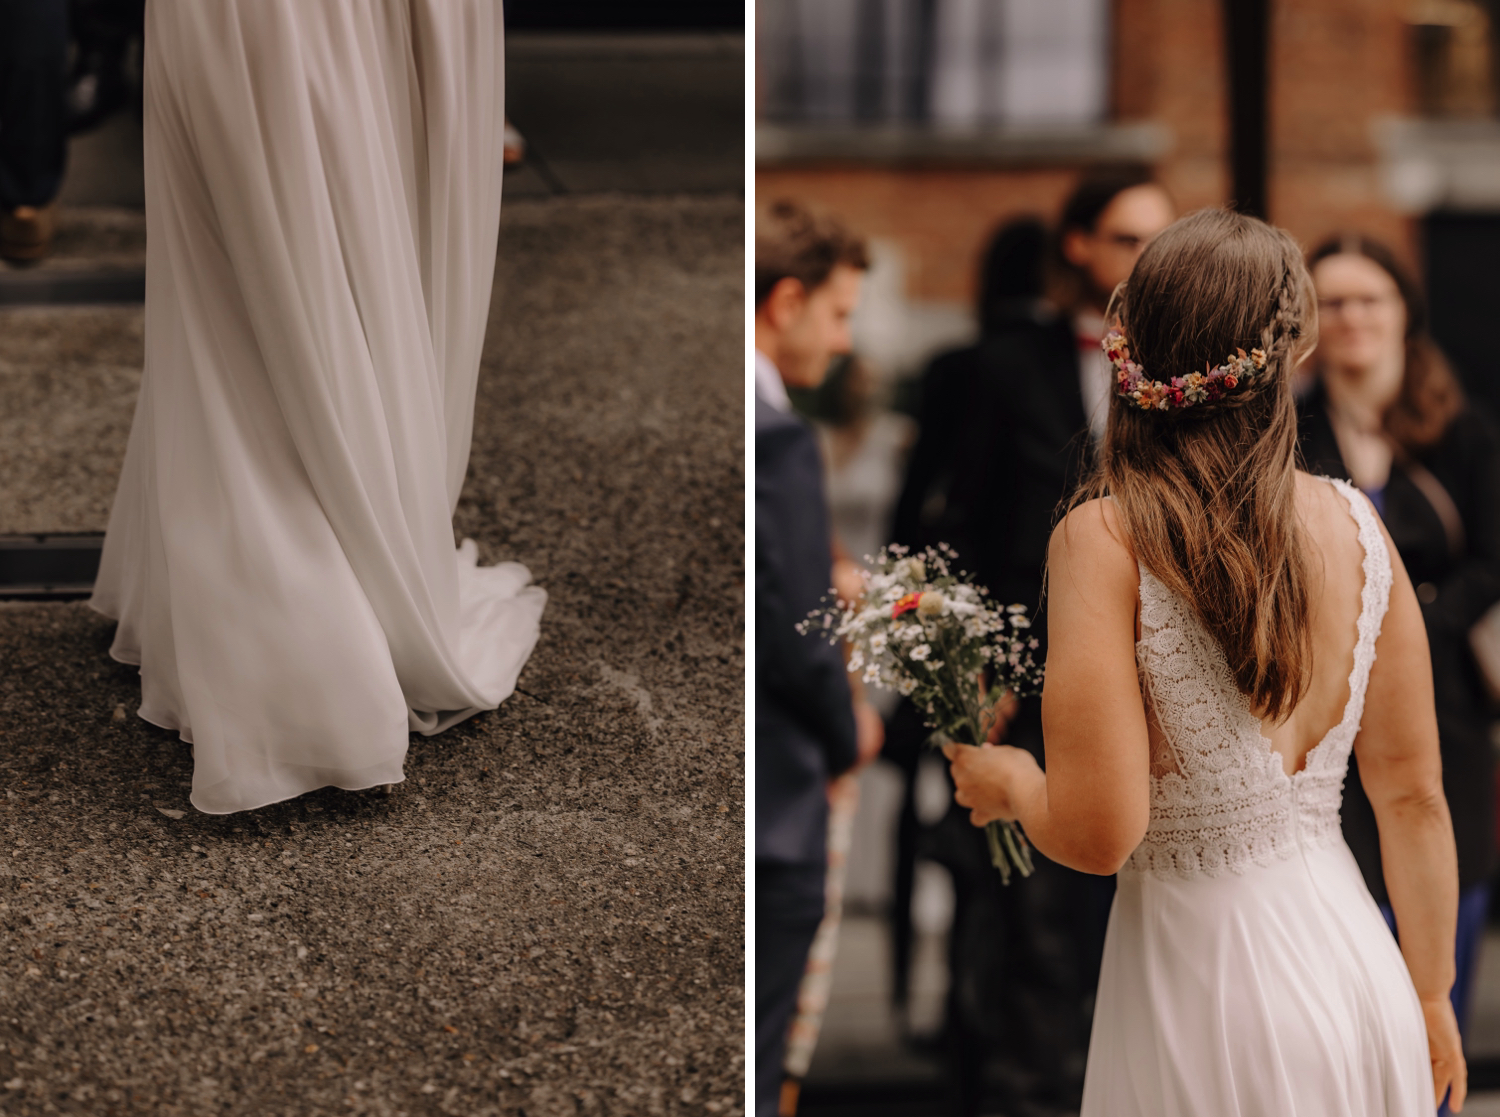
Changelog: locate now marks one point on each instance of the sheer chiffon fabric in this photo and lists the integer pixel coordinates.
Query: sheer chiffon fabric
(1247, 970)
(1277, 992)
(322, 201)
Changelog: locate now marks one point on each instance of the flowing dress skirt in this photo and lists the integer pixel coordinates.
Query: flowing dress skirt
(1272, 993)
(322, 206)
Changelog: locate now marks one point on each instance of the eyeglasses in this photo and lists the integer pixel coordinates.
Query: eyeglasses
(1129, 242)
(1352, 302)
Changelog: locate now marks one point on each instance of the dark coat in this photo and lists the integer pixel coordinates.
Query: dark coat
(804, 720)
(1467, 462)
(1003, 443)
(1038, 453)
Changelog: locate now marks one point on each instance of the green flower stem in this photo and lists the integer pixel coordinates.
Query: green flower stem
(998, 855)
(1018, 848)
(1008, 846)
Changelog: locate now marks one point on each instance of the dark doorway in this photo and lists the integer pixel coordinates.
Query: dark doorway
(1463, 291)
(1247, 29)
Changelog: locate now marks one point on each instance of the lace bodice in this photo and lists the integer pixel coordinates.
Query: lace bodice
(1223, 800)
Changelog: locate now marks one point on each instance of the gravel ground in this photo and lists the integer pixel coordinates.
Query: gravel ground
(69, 378)
(547, 917)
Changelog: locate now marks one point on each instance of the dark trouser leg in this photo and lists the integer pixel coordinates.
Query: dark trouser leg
(102, 31)
(1024, 965)
(979, 947)
(1473, 908)
(788, 909)
(1054, 969)
(904, 740)
(1022, 970)
(33, 110)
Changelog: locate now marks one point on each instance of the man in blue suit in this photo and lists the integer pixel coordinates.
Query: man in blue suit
(808, 270)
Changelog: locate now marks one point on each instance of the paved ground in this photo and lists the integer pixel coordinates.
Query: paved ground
(616, 122)
(547, 917)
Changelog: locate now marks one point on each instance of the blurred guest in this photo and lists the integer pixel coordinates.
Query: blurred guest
(33, 123)
(864, 450)
(1386, 412)
(1024, 959)
(808, 270)
(939, 501)
(863, 447)
(938, 496)
(1049, 382)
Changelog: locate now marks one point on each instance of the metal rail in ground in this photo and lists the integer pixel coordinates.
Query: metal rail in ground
(50, 566)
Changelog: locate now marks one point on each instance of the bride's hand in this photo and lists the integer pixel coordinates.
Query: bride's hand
(1449, 1071)
(986, 779)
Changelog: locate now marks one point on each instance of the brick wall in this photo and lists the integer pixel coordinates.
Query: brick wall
(940, 217)
(1335, 66)
(1169, 67)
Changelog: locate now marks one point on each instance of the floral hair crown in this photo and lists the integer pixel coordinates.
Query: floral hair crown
(1240, 371)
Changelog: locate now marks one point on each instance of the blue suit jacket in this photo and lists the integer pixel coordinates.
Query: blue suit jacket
(804, 724)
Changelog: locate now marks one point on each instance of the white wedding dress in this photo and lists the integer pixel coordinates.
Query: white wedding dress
(322, 204)
(1247, 971)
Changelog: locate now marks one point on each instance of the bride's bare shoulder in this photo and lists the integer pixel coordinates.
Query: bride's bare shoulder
(1315, 488)
(1093, 523)
(1330, 530)
(1092, 536)
(1324, 508)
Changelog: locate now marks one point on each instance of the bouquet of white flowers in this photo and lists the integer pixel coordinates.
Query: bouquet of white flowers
(936, 638)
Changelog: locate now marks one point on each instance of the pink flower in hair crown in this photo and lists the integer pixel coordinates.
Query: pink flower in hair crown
(1240, 370)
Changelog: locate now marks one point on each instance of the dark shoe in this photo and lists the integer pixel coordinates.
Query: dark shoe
(26, 232)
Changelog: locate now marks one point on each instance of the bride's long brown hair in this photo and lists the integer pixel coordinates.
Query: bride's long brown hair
(1206, 494)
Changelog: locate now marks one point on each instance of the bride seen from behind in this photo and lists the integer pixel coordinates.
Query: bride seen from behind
(1223, 630)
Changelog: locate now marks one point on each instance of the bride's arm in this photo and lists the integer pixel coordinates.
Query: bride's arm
(1401, 769)
(1090, 808)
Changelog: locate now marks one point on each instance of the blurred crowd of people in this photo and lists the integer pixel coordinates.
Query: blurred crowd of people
(1005, 429)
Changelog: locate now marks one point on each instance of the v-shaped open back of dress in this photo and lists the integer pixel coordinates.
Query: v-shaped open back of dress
(322, 204)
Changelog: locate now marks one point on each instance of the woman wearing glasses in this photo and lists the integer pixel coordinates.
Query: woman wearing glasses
(1385, 411)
